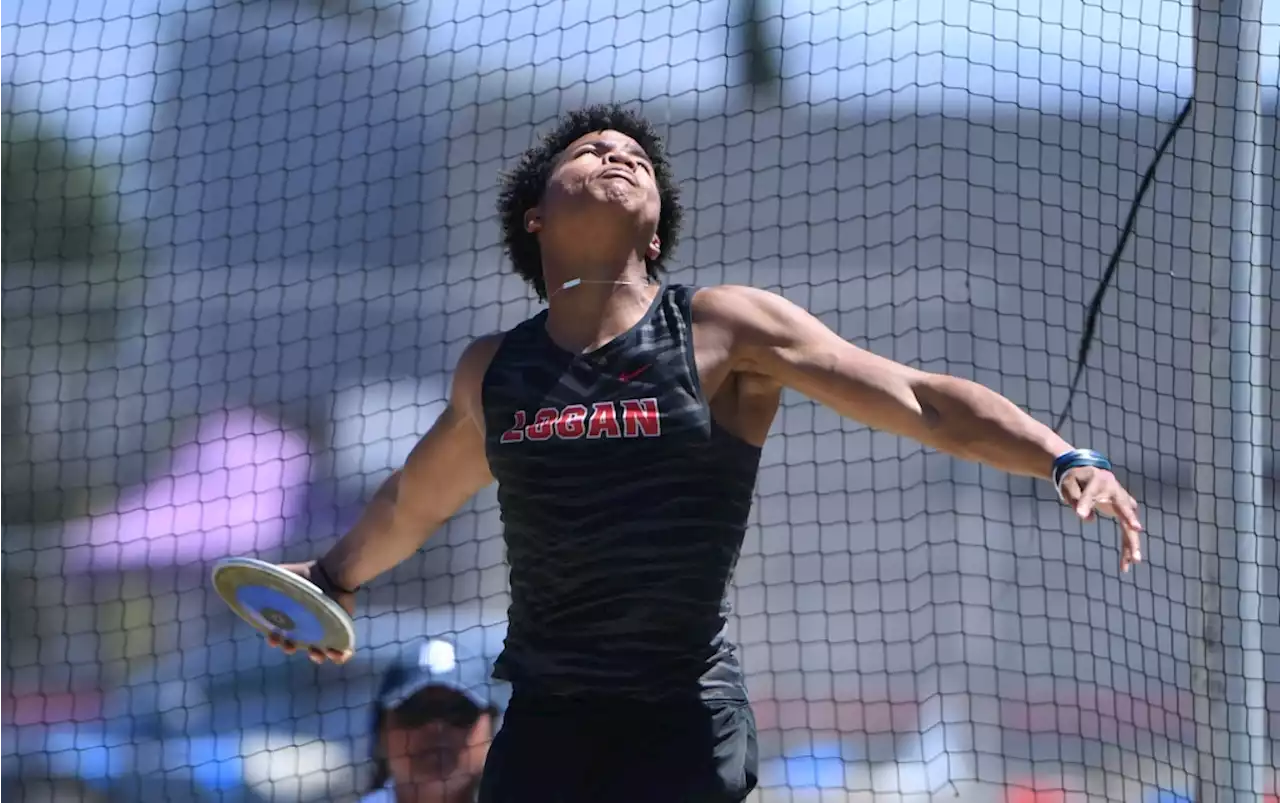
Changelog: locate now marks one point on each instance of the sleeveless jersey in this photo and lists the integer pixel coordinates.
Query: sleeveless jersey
(623, 508)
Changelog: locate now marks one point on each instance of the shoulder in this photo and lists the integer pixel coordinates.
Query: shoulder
(743, 311)
(475, 361)
(762, 331)
(478, 356)
(468, 377)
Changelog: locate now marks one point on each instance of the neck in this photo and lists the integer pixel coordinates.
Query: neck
(591, 312)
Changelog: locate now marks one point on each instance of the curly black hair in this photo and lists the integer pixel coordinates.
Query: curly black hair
(522, 188)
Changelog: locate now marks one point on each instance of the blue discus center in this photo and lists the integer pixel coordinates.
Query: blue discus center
(277, 611)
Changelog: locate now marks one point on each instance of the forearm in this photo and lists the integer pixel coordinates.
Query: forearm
(382, 539)
(773, 337)
(976, 423)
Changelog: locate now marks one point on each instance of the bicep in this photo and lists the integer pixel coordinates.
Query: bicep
(449, 465)
(446, 468)
(778, 339)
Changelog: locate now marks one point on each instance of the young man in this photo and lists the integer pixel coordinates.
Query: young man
(624, 427)
(433, 722)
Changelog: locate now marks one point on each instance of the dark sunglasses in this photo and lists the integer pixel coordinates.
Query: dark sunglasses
(453, 710)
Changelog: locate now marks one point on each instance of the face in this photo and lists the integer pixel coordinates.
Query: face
(601, 192)
(435, 744)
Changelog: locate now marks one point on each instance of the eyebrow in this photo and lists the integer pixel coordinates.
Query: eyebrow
(635, 150)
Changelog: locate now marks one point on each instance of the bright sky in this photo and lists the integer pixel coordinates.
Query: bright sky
(100, 58)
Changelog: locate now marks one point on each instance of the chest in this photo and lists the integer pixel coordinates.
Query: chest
(593, 403)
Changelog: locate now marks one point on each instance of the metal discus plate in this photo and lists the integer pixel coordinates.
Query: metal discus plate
(276, 600)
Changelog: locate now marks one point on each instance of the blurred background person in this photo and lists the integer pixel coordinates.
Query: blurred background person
(437, 711)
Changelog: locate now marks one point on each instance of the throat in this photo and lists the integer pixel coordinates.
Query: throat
(589, 315)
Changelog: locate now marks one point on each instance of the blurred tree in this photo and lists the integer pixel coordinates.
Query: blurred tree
(60, 224)
(59, 219)
(58, 206)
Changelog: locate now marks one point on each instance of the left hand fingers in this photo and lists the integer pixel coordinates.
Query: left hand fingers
(1102, 493)
(1125, 514)
(1097, 491)
(1112, 501)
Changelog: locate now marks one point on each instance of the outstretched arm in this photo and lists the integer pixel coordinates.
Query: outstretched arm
(773, 337)
(445, 469)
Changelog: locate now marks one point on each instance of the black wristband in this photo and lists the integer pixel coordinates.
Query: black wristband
(327, 583)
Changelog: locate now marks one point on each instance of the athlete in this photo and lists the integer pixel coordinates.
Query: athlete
(624, 426)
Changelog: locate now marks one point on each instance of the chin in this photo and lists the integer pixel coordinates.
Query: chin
(610, 204)
(616, 192)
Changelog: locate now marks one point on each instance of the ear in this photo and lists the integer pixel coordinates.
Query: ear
(655, 248)
(533, 220)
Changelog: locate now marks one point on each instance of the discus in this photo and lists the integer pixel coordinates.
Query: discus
(275, 600)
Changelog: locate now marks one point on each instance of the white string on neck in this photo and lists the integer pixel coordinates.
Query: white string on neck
(572, 283)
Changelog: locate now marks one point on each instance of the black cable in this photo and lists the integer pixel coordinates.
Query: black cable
(1095, 306)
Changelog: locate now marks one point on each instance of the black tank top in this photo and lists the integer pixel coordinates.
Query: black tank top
(623, 508)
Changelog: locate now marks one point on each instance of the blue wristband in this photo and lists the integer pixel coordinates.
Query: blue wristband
(1075, 459)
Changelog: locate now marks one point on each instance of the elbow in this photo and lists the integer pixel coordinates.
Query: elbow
(948, 420)
(389, 490)
(957, 437)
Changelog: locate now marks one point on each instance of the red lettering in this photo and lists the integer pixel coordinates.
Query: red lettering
(640, 418)
(543, 425)
(516, 433)
(604, 421)
(572, 422)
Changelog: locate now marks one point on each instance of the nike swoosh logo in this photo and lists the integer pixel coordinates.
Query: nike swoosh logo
(630, 375)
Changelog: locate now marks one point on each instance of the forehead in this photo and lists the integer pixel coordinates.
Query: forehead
(611, 138)
(431, 695)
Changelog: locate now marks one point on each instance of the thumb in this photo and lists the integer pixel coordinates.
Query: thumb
(303, 570)
(1090, 495)
(1070, 491)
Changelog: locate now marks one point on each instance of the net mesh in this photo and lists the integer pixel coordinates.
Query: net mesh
(245, 242)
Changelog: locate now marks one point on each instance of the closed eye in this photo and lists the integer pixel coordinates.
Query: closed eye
(640, 156)
(634, 152)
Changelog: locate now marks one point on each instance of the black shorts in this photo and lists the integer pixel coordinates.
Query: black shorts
(562, 750)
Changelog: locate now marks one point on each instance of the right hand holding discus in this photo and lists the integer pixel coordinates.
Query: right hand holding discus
(347, 599)
(296, 605)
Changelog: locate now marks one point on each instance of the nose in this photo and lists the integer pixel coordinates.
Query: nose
(434, 729)
(621, 158)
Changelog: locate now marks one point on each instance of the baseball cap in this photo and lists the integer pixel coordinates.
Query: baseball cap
(454, 662)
